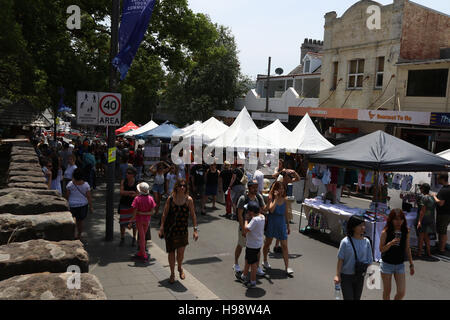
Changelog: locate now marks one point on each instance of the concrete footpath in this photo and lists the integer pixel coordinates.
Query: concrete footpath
(124, 278)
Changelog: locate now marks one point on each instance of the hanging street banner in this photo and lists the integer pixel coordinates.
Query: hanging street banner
(99, 108)
(136, 15)
(404, 117)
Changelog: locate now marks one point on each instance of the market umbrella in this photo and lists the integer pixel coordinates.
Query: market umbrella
(129, 126)
(381, 152)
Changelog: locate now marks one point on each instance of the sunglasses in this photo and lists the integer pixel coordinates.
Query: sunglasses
(130, 173)
(182, 186)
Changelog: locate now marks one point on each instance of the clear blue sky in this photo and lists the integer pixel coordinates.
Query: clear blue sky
(264, 28)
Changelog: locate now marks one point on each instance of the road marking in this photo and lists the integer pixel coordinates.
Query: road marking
(297, 213)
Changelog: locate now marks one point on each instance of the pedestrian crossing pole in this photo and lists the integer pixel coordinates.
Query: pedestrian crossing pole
(110, 129)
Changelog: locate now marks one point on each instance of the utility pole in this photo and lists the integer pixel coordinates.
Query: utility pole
(110, 129)
(267, 86)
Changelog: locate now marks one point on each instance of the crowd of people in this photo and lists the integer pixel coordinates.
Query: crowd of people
(263, 212)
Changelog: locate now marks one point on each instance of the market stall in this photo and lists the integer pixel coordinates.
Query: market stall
(129, 126)
(145, 128)
(377, 152)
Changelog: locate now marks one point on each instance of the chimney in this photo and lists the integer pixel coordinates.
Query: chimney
(310, 45)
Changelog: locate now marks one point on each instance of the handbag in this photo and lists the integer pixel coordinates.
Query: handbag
(244, 179)
(360, 267)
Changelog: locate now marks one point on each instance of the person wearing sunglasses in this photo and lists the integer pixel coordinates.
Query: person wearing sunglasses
(174, 226)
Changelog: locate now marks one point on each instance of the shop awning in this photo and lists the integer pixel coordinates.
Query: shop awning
(380, 151)
(129, 126)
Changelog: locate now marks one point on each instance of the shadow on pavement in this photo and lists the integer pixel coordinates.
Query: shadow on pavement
(255, 293)
(203, 261)
(280, 255)
(176, 287)
(321, 237)
(275, 274)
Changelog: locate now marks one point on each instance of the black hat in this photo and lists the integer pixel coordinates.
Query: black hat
(252, 183)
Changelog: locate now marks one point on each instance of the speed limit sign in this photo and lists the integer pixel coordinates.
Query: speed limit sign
(109, 109)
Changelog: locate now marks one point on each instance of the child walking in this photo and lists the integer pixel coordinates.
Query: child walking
(254, 231)
(143, 206)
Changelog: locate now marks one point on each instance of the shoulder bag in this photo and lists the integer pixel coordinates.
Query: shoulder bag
(360, 267)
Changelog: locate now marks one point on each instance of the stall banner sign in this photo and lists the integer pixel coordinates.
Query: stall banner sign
(112, 154)
(404, 117)
(330, 113)
(440, 119)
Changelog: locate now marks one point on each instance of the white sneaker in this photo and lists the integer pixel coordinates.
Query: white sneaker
(289, 271)
(266, 265)
(236, 268)
(260, 272)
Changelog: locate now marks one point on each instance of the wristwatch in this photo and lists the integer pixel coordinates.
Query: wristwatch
(195, 228)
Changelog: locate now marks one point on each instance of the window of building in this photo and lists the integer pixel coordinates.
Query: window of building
(380, 73)
(335, 75)
(356, 74)
(427, 83)
(307, 66)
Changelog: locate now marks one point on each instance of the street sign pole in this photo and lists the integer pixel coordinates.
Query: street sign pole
(110, 129)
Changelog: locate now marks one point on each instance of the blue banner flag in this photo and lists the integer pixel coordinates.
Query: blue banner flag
(136, 16)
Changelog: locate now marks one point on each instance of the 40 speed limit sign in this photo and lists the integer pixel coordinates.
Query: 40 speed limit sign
(109, 110)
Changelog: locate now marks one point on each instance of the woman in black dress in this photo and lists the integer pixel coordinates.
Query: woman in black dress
(174, 226)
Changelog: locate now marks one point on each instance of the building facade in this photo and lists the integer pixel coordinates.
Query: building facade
(390, 59)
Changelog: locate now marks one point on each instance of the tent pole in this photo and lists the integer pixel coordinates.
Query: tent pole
(377, 174)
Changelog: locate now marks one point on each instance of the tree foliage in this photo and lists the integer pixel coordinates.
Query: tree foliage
(185, 63)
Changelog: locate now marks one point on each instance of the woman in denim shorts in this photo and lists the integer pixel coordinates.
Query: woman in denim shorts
(394, 248)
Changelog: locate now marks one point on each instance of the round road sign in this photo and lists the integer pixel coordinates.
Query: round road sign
(110, 105)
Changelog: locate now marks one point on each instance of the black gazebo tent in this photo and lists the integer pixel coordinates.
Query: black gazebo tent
(381, 152)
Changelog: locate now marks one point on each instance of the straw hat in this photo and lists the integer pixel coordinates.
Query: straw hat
(143, 188)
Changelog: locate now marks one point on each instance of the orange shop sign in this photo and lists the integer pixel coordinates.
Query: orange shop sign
(405, 117)
(331, 113)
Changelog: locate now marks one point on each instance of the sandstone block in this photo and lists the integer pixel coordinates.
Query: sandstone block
(51, 286)
(35, 256)
(54, 226)
(31, 203)
(24, 159)
(26, 179)
(28, 185)
(36, 192)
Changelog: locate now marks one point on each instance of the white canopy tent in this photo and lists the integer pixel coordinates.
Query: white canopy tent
(445, 154)
(278, 134)
(208, 131)
(243, 134)
(147, 127)
(186, 131)
(306, 139)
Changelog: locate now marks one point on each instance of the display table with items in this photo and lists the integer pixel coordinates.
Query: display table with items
(332, 219)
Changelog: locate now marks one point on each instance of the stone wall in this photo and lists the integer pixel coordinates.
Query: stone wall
(37, 243)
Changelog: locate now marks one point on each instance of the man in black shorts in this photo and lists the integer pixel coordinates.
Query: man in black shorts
(443, 211)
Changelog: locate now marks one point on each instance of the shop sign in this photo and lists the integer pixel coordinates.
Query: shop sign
(440, 119)
(330, 113)
(344, 130)
(404, 117)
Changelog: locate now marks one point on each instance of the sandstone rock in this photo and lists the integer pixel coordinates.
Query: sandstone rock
(35, 256)
(51, 286)
(30, 153)
(31, 203)
(26, 179)
(28, 185)
(54, 226)
(30, 173)
(24, 166)
(24, 159)
(36, 192)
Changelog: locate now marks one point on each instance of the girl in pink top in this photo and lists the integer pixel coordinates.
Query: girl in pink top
(143, 206)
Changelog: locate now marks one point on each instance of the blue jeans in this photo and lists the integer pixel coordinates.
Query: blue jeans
(388, 268)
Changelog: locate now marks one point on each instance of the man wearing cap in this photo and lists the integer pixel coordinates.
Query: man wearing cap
(443, 211)
(251, 198)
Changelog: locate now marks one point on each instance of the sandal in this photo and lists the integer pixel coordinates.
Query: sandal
(182, 275)
(172, 279)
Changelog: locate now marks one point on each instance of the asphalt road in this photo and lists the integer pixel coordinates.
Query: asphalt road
(312, 258)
